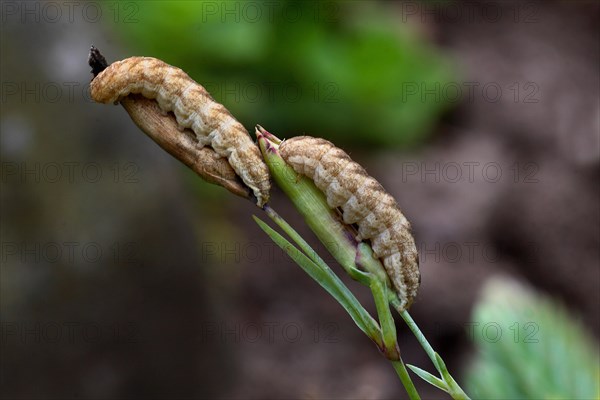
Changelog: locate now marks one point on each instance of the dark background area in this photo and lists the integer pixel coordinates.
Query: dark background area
(123, 275)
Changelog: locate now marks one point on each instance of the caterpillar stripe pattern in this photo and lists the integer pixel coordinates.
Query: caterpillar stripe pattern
(193, 108)
(363, 202)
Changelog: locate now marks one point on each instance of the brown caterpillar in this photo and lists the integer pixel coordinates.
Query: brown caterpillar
(363, 202)
(193, 108)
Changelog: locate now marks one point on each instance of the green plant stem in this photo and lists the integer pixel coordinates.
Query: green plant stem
(412, 325)
(452, 386)
(335, 286)
(388, 327)
(330, 282)
(405, 379)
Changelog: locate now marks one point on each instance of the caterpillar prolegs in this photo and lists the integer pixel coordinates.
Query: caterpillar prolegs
(363, 202)
(193, 108)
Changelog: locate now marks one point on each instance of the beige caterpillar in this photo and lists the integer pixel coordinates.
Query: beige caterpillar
(365, 203)
(193, 108)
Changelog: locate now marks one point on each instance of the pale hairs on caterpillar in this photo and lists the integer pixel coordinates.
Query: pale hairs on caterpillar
(363, 202)
(193, 108)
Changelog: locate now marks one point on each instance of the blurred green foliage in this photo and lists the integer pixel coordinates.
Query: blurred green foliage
(530, 348)
(339, 70)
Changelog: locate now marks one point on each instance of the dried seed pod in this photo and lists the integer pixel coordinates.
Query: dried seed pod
(363, 202)
(164, 130)
(193, 108)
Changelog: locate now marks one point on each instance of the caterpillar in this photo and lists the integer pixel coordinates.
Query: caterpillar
(193, 108)
(364, 202)
(164, 131)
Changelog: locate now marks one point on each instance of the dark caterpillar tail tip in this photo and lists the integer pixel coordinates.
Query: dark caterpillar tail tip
(97, 61)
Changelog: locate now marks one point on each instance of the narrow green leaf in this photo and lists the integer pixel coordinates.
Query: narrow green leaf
(329, 281)
(427, 377)
(442, 368)
(295, 236)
